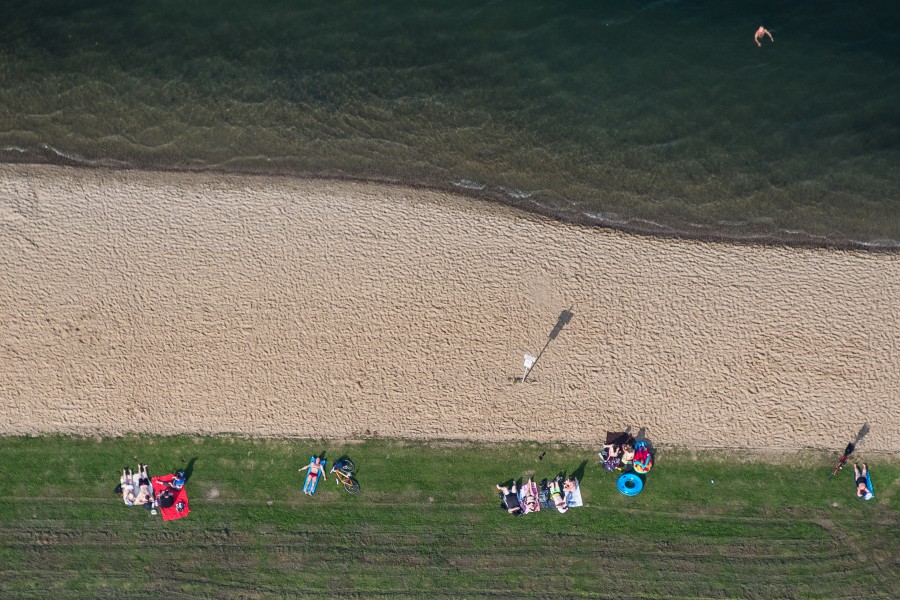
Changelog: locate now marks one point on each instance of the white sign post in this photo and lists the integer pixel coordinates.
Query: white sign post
(564, 318)
(529, 363)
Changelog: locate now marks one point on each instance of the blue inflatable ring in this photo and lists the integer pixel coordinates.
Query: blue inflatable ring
(630, 484)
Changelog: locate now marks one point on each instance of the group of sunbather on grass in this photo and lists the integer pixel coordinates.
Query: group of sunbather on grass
(561, 493)
(137, 489)
(618, 451)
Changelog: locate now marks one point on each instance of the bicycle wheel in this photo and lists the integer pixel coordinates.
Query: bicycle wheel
(352, 486)
(347, 465)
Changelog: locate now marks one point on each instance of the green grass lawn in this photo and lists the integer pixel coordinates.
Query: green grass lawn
(428, 524)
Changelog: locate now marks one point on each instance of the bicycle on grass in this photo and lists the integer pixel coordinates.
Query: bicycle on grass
(843, 459)
(344, 470)
(863, 431)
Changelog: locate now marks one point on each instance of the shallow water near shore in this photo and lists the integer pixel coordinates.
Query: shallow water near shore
(661, 116)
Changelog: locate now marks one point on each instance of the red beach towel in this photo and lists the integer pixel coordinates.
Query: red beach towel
(161, 484)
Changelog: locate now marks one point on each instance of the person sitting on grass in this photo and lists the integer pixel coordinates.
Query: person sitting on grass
(177, 481)
(315, 471)
(627, 454)
(611, 456)
(862, 481)
(557, 496)
(610, 450)
(511, 499)
(617, 442)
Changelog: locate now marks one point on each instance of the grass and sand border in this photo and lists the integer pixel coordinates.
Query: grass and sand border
(427, 523)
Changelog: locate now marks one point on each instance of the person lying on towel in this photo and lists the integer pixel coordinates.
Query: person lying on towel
(135, 487)
(862, 482)
(126, 486)
(558, 496)
(528, 497)
(143, 489)
(511, 499)
(316, 470)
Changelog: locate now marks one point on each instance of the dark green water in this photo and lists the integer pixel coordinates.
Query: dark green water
(645, 115)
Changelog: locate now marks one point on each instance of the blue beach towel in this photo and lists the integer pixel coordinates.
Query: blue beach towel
(870, 491)
(310, 486)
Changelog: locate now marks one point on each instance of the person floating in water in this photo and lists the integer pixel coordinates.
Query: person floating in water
(760, 34)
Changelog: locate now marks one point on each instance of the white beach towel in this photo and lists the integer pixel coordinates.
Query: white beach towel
(573, 499)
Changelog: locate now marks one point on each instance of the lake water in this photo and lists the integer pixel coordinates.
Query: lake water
(662, 116)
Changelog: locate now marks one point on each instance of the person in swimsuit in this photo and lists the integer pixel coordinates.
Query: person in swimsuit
(559, 499)
(511, 499)
(530, 500)
(627, 454)
(144, 490)
(126, 486)
(760, 33)
(315, 471)
(611, 457)
(862, 484)
(611, 451)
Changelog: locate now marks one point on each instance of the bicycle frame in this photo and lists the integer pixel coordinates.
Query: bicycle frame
(346, 479)
(843, 459)
(341, 477)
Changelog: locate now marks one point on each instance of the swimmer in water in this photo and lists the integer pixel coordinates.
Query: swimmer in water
(760, 33)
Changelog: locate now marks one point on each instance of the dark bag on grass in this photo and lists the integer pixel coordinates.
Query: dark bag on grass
(544, 495)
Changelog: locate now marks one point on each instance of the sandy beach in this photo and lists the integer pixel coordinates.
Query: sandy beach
(175, 303)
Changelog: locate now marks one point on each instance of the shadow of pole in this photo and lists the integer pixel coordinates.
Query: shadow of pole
(863, 432)
(563, 320)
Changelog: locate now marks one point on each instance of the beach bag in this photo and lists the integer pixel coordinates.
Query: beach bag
(544, 495)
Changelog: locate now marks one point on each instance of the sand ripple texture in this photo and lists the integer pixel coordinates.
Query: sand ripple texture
(170, 303)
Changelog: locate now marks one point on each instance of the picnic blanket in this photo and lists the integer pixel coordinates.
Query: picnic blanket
(573, 499)
(160, 485)
(532, 489)
(619, 438)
